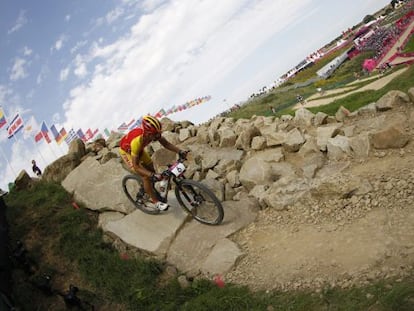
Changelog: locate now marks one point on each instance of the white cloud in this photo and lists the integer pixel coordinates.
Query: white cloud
(20, 22)
(78, 46)
(56, 118)
(4, 91)
(158, 63)
(114, 15)
(27, 51)
(59, 43)
(110, 17)
(42, 74)
(64, 73)
(150, 5)
(81, 71)
(80, 66)
(18, 71)
(67, 17)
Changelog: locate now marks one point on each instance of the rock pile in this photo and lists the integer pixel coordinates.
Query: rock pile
(294, 168)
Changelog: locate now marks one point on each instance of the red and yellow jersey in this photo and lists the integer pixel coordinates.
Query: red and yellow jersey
(133, 142)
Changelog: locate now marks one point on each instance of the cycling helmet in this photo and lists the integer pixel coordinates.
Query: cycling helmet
(151, 125)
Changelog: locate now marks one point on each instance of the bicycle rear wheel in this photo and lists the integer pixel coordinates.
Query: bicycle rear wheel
(134, 190)
(200, 202)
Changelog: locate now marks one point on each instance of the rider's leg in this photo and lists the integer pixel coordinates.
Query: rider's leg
(126, 158)
(149, 165)
(148, 187)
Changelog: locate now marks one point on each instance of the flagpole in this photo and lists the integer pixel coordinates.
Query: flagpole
(49, 139)
(38, 150)
(2, 152)
(15, 139)
(11, 167)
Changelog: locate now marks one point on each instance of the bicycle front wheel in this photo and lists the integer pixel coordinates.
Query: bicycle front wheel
(199, 201)
(134, 190)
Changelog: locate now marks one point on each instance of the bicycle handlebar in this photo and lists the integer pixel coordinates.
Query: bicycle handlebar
(167, 173)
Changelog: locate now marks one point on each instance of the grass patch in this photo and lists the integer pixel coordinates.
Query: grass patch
(66, 244)
(357, 100)
(409, 47)
(285, 101)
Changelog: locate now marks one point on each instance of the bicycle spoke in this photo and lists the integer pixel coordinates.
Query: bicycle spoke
(133, 189)
(200, 202)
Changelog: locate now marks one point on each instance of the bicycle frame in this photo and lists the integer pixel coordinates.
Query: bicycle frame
(173, 174)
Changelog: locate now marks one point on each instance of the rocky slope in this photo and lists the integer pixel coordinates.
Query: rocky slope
(332, 195)
(336, 238)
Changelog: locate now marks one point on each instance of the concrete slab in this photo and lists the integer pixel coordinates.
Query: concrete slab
(195, 242)
(150, 233)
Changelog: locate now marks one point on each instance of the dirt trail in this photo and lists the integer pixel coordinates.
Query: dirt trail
(337, 245)
(377, 84)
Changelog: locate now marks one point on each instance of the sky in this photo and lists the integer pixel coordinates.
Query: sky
(98, 63)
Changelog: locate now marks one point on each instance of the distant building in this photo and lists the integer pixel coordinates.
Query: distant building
(327, 70)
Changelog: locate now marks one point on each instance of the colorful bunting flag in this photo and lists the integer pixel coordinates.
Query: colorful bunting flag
(81, 135)
(95, 132)
(160, 113)
(55, 132)
(123, 127)
(2, 118)
(71, 136)
(45, 132)
(62, 135)
(107, 133)
(131, 123)
(15, 126)
(136, 124)
(38, 137)
(88, 134)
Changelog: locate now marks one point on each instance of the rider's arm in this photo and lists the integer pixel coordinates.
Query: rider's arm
(142, 171)
(168, 145)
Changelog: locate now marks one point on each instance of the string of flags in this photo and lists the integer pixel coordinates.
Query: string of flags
(51, 133)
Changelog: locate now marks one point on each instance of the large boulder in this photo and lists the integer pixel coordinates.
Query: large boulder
(59, 169)
(391, 137)
(246, 136)
(99, 186)
(392, 99)
(23, 181)
(77, 146)
(255, 172)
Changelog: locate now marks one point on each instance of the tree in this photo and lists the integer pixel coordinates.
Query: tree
(368, 18)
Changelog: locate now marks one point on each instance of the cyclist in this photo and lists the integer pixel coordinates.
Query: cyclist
(132, 151)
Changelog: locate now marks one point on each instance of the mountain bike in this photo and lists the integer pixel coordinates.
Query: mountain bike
(193, 196)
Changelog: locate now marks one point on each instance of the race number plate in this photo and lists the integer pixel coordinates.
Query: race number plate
(178, 169)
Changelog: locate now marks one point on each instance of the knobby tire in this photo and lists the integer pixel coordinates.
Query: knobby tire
(190, 192)
(131, 184)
